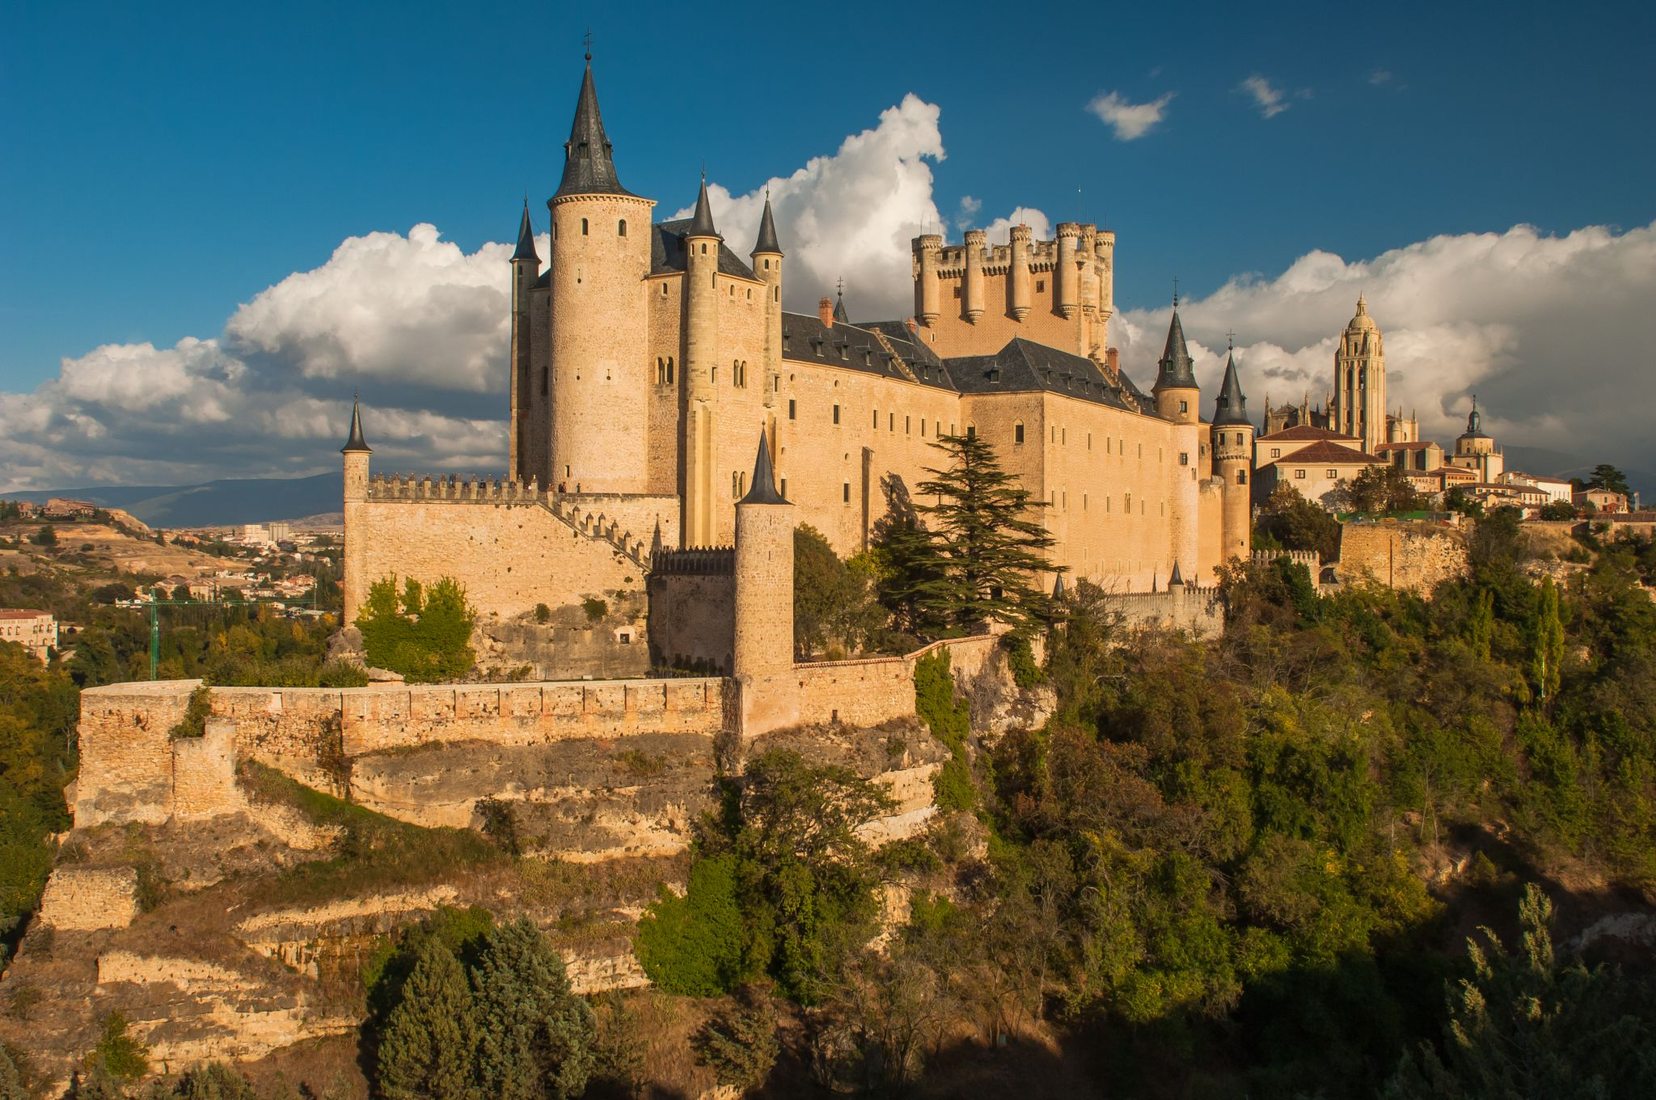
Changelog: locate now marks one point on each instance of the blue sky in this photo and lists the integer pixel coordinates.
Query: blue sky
(163, 165)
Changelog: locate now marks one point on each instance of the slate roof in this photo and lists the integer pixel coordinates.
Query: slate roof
(667, 251)
(767, 232)
(1232, 406)
(1326, 452)
(589, 158)
(1176, 369)
(763, 489)
(1023, 365)
(701, 223)
(526, 238)
(356, 442)
(884, 347)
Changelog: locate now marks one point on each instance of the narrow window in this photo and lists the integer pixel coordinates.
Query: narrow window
(792, 409)
(1017, 432)
(621, 228)
(1184, 406)
(845, 492)
(876, 419)
(783, 489)
(1241, 477)
(1184, 458)
(704, 249)
(583, 227)
(971, 431)
(1040, 286)
(670, 371)
(905, 425)
(891, 421)
(836, 414)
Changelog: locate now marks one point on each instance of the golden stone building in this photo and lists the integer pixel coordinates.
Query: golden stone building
(646, 356)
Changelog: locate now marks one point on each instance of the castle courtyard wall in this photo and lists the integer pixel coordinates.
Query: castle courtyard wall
(1413, 557)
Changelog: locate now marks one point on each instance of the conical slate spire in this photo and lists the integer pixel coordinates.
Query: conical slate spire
(840, 316)
(763, 489)
(589, 158)
(356, 443)
(1177, 370)
(526, 238)
(767, 233)
(1175, 581)
(1232, 409)
(702, 224)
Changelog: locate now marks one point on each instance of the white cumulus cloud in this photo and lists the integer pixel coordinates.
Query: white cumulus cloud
(1547, 330)
(1129, 120)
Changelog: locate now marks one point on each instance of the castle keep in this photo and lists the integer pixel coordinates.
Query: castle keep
(647, 356)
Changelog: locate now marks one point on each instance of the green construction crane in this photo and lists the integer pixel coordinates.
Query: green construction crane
(156, 603)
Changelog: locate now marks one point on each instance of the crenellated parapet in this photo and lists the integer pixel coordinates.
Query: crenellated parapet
(698, 561)
(452, 487)
(1307, 558)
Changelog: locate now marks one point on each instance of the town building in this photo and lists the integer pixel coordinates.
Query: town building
(35, 631)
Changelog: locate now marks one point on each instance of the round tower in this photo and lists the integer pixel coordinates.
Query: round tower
(1179, 400)
(599, 324)
(927, 290)
(1175, 390)
(1233, 440)
(975, 239)
(767, 264)
(353, 564)
(1066, 274)
(525, 270)
(1018, 278)
(701, 338)
(762, 653)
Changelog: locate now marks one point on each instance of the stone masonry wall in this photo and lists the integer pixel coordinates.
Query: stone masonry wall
(873, 690)
(1410, 556)
(90, 898)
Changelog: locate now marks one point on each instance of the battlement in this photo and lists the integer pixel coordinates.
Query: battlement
(997, 259)
(1307, 558)
(481, 490)
(699, 561)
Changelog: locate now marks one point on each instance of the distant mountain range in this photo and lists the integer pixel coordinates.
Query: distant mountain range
(256, 500)
(212, 503)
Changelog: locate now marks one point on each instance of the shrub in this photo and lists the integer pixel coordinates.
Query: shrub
(595, 609)
(118, 1054)
(423, 634)
(196, 713)
(543, 614)
(692, 945)
(949, 719)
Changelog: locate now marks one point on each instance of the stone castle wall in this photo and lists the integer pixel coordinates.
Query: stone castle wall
(692, 594)
(1196, 610)
(1410, 556)
(873, 690)
(510, 554)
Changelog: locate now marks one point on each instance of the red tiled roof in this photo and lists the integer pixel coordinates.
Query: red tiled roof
(1326, 452)
(21, 613)
(1304, 431)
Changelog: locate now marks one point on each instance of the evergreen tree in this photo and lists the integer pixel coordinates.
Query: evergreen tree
(536, 1036)
(984, 551)
(428, 1047)
(1549, 644)
(11, 1079)
(1525, 1025)
(1610, 479)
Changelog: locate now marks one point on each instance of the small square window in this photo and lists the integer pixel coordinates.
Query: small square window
(1299, 475)
(1331, 474)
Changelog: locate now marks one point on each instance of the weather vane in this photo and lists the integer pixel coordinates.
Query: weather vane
(1175, 292)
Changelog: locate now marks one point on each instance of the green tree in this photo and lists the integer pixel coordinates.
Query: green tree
(694, 945)
(11, 1078)
(739, 1042)
(46, 536)
(535, 1036)
(1557, 510)
(1381, 489)
(118, 1055)
(1288, 521)
(834, 602)
(427, 1051)
(1546, 667)
(1525, 1025)
(984, 550)
(1610, 479)
(423, 634)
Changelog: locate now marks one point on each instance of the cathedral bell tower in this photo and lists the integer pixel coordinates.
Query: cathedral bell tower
(1359, 407)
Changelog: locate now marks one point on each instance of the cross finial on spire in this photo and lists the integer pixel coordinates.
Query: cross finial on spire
(840, 286)
(586, 43)
(1230, 339)
(1175, 292)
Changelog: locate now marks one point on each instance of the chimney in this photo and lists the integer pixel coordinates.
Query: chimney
(825, 312)
(1112, 359)
(912, 327)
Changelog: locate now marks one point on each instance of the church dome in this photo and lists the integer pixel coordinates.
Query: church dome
(1362, 322)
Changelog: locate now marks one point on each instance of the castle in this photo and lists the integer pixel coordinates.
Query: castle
(647, 356)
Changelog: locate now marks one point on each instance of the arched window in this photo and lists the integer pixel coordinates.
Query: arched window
(621, 228)
(670, 371)
(584, 227)
(704, 249)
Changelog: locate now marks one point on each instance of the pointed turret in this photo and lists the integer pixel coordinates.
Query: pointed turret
(1176, 580)
(589, 158)
(701, 225)
(1177, 369)
(526, 239)
(1232, 407)
(840, 316)
(763, 488)
(1059, 592)
(356, 444)
(767, 243)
